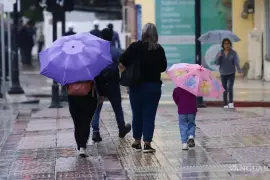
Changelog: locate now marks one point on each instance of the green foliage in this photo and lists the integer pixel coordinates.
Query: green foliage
(31, 11)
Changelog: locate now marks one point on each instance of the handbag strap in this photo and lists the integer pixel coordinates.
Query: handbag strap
(93, 89)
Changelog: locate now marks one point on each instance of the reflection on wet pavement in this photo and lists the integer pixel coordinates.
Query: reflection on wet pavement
(229, 145)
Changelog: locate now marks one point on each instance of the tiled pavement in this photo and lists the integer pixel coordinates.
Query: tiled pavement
(230, 145)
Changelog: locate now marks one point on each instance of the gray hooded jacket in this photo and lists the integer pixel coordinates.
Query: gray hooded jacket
(228, 64)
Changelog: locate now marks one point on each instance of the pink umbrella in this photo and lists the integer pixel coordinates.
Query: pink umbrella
(195, 79)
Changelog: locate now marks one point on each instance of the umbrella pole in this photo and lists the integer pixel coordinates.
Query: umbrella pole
(200, 102)
(55, 102)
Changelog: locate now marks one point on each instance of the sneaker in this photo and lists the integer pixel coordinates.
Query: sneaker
(184, 146)
(148, 149)
(125, 131)
(231, 105)
(137, 147)
(226, 107)
(82, 152)
(191, 143)
(96, 137)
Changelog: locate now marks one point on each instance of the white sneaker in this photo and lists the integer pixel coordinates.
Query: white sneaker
(184, 146)
(231, 105)
(82, 152)
(226, 107)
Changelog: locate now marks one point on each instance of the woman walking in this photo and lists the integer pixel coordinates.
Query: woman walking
(145, 96)
(227, 60)
(82, 109)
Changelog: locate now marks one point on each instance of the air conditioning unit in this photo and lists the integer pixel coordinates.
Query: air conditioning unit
(248, 8)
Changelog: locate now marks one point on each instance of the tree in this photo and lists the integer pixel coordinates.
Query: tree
(31, 11)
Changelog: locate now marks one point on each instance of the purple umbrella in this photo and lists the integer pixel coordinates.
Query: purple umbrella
(74, 58)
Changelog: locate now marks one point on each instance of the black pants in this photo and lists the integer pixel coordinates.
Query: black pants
(40, 46)
(228, 83)
(26, 53)
(82, 109)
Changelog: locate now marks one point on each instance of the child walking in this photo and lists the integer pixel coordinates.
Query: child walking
(187, 109)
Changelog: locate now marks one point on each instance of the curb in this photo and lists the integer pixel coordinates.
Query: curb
(239, 104)
(34, 101)
(21, 99)
(208, 103)
(39, 95)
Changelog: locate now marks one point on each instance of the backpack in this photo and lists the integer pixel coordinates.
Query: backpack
(81, 88)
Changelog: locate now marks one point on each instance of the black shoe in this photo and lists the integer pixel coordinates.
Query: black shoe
(136, 147)
(96, 137)
(148, 149)
(125, 131)
(191, 143)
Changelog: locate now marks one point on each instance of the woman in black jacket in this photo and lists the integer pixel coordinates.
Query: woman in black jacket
(145, 96)
(82, 109)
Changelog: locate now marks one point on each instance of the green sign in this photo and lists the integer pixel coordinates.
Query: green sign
(176, 25)
(175, 22)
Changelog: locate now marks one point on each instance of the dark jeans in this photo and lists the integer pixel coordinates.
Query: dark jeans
(26, 53)
(82, 109)
(228, 83)
(40, 46)
(144, 100)
(114, 96)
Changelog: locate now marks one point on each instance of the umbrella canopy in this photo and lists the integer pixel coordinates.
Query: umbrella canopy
(75, 58)
(195, 79)
(216, 36)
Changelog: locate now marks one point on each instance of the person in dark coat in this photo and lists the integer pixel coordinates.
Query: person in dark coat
(113, 93)
(26, 42)
(82, 109)
(70, 30)
(115, 39)
(145, 95)
(96, 31)
(41, 40)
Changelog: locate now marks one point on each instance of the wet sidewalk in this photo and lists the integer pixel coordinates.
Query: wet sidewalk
(230, 145)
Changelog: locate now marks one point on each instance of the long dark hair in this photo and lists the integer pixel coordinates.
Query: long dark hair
(226, 40)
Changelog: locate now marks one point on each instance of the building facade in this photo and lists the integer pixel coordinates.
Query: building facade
(229, 14)
(254, 31)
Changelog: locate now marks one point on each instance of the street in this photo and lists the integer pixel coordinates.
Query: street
(229, 145)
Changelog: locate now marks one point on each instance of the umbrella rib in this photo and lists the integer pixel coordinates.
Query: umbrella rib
(65, 71)
(86, 66)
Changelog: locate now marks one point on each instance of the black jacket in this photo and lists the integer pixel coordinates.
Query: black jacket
(96, 32)
(152, 62)
(69, 33)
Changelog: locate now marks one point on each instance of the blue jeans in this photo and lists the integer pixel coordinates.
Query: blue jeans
(187, 126)
(144, 100)
(114, 96)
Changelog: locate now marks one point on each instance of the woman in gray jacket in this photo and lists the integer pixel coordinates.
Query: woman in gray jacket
(228, 61)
